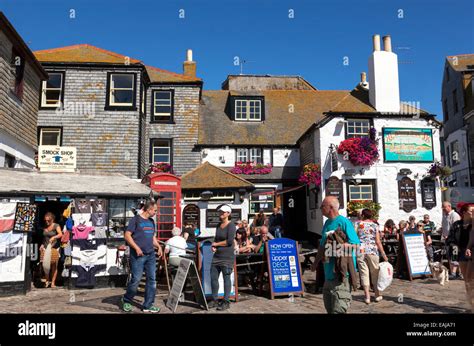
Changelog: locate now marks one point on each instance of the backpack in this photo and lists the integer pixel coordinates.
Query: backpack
(454, 237)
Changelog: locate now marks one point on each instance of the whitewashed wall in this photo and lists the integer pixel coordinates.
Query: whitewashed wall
(212, 204)
(24, 154)
(384, 173)
(212, 156)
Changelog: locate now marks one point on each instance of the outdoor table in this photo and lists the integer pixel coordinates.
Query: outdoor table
(249, 270)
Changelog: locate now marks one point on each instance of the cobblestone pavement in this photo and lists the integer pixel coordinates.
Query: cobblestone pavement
(418, 296)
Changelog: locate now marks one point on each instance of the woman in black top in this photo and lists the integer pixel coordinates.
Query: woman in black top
(459, 236)
(223, 259)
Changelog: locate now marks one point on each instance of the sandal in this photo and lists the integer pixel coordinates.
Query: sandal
(47, 284)
(367, 301)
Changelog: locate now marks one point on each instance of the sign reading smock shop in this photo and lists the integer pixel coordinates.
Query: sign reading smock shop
(284, 267)
(334, 188)
(407, 145)
(213, 220)
(56, 159)
(407, 194)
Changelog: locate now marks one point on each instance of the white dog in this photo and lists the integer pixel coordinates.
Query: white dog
(440, 272)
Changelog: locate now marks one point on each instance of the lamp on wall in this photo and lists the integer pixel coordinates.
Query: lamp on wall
(242, 193)
(207, 195)
(405, 171)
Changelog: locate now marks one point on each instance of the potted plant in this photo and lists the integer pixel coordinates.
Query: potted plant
(438, 170)
(356, 206)
(311, 174)
(360, 151)
(159, 167)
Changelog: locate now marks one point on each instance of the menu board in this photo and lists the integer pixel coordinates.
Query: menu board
(334, 188)
(407, 194)
(191, 214)
(25, 216)
(428, 193)
(212, 217)
(416, 256)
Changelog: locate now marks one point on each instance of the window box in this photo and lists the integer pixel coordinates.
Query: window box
(159, 167)
(251, 168)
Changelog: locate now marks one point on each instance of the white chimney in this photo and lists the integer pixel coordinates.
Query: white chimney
(384, 93)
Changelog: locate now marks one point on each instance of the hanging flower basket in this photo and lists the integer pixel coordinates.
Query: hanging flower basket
(438, 170)
(251, 168)
(159, 167)
(360, 151)
(311, 174)
(354, 208)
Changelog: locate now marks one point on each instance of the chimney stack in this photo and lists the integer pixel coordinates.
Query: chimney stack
(376, 42)
(384, 93)
(363, 81)
(189, 66)
(387, 43)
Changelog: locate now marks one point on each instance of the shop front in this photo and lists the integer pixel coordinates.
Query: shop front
(92, 212)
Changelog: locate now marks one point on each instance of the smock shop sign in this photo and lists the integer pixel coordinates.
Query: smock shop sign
(56, 159)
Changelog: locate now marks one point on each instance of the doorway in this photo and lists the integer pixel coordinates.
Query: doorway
(294, 214)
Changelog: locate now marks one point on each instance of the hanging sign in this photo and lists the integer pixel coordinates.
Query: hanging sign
(407, 194)
(415, 254)
(408, 145)
(334, 188)
(428, 193)
(25, 216)
(284, 267)
(191, 214)
(186, 270)
(56, 159)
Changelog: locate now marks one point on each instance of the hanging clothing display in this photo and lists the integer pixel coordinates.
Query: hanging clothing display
(100, 232)
(99, 206)
(84, 219)
(81, 231)
(82, 205)
(99, 219)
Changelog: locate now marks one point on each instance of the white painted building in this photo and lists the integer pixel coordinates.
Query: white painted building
(371, 105)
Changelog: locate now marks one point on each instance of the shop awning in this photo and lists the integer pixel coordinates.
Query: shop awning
(30, 182)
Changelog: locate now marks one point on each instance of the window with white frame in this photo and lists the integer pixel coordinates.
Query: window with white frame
(358, 128)
(248, 110)
(163, 105)
(250, 155)
(122, 89)
(52, 90)
(161, 151)
(361, 192)
(50, 136)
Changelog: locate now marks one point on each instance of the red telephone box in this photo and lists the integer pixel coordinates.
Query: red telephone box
(169, 206)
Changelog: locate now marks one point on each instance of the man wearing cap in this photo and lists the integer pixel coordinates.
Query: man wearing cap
(224, 258)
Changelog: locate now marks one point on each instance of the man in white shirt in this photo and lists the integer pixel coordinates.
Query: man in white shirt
(449, 217)
(176, 247)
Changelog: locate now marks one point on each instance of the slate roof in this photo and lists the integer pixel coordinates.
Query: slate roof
(208, 176)
(26, 181)
(82, 53)
(357, 101)
(158, 75)
(281, 126)
(461, 61)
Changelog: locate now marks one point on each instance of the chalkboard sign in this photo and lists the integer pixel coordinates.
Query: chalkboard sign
(212, 217)
(415, 254)
(186, 269)
(334, 188)
(407, 194)
(25, 216)
(284, 267)
(428, 193)
(191, 214)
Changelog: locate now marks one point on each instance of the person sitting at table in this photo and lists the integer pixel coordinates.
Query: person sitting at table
(176, 247)
(259, 219)
(262, 239)
(402, 228)
(412, 227)
(390, 229)
(242, 242)
(190, 233)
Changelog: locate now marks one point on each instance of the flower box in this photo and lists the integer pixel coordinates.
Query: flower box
(159, 167)
(355, 207)
(251, 168)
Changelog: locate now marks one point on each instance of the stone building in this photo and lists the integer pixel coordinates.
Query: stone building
(20, 79)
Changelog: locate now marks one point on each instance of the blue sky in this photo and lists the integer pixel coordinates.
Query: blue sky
(313, 44)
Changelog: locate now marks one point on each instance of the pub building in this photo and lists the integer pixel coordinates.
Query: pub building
(100, 204)
(403, 142)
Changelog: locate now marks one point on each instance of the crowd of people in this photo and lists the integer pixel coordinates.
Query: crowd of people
(364, 241)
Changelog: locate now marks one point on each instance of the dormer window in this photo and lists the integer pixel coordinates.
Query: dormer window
(248, 109)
